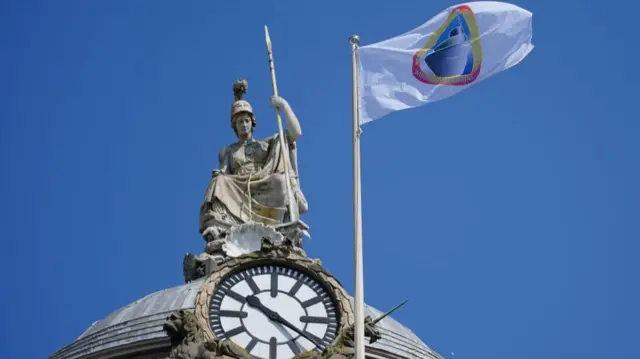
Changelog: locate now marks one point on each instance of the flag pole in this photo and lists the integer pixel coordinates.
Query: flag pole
(357, 208)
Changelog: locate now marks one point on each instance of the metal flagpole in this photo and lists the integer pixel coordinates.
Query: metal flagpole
(357, 208)
(285, 153)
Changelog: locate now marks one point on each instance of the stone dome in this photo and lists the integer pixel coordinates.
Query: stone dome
(135, 331)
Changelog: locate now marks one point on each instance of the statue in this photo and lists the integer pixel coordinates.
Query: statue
(188, 340)
(250, 183)
(347, 339)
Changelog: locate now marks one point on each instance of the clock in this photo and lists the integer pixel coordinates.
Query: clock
(274, 311)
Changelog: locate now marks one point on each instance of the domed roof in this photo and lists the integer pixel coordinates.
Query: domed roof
(141, 322)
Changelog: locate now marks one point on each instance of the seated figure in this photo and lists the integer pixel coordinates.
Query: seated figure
(250, 183)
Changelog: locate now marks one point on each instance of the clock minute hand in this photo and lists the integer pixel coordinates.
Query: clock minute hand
(255, 302)
(302, 333)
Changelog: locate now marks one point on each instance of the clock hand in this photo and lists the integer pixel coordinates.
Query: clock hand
(255, 302)
(302, 333)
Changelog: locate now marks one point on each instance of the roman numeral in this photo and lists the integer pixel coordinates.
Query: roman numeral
(312, 301)
(274, 285)
(232, 313)
(309, 319)
(234, 331)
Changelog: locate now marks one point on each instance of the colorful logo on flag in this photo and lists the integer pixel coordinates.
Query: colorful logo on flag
(452, 54)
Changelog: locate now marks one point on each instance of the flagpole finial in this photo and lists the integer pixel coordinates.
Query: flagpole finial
(354, 39)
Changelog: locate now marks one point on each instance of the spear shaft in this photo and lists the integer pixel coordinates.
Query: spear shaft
(285, 153)
(388, 313)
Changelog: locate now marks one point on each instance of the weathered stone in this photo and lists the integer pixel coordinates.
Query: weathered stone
(194, 267)
(189, 341)
(284, 249)
(346, 337)
(308, 355)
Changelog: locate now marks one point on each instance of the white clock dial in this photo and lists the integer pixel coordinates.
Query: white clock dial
(245, 305)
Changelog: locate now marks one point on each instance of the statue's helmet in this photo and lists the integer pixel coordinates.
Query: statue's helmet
(240, 105)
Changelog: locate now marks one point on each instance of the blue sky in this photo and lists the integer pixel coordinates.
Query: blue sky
(507, 214)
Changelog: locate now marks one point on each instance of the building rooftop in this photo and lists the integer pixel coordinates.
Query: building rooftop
(141, 322)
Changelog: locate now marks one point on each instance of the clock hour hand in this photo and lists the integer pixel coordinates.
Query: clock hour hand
(255, 302)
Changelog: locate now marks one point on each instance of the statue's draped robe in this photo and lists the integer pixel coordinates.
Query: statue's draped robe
(227, 197)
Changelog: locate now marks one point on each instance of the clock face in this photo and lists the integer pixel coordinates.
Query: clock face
(250, 306)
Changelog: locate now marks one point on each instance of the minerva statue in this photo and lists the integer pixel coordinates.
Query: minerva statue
(250, 184)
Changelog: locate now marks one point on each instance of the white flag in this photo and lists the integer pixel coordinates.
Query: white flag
(459, 47)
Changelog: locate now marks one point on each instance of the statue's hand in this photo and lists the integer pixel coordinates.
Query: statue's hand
(215, 172)
(278, 102)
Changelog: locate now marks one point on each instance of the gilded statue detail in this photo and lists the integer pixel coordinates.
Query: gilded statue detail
(250, 183)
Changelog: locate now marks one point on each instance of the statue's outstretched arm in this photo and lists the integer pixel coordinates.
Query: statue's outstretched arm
(292, 123)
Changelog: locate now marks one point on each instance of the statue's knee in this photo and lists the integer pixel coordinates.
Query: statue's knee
(303, 206)
(280, 184)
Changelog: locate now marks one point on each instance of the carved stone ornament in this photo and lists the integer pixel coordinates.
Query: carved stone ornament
(247, 238)
(194, 267)
(188, 340)
(240, 240)
(282, 261)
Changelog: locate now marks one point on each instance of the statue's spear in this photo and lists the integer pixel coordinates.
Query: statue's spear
(388, 313)
(285, 153)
